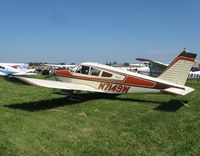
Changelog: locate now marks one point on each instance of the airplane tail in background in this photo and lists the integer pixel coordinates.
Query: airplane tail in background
(178, 70)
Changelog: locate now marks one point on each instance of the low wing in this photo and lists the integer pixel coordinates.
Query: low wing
(56, 84)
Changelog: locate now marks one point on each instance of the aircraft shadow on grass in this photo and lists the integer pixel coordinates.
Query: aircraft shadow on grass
(170, 106)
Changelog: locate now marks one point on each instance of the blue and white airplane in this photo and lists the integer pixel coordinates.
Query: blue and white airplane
(14, 69)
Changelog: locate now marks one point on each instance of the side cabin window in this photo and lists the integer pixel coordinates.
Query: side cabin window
(83, 70)
(106, 74)
(94, 72)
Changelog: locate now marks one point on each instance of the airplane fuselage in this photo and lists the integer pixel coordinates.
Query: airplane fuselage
(111, 80)
(94, 77)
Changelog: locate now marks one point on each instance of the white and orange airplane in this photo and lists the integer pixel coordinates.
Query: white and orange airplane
(96, 77)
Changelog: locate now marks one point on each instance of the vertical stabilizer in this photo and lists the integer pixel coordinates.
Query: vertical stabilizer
(178, 70)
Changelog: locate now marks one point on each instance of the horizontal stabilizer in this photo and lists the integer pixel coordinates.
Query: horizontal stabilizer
(178, 91)
(56, 84)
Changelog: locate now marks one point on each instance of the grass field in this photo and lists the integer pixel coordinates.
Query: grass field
(40, 121)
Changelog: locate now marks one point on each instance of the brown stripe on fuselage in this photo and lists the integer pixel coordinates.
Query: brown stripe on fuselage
(63, 73)
(70, 75)
(128, 80)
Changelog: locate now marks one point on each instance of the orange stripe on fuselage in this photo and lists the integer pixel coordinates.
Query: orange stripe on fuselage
(67, 73)
(139, 82)
(63, 73)
(129, 80)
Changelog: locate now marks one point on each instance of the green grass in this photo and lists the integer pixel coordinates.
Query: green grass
(40, 121)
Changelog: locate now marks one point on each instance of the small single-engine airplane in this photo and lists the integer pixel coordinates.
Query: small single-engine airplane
(9, 69)
(96, 77)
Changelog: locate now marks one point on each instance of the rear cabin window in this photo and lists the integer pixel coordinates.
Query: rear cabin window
(106, 74)
(94, 72)
(83, 70)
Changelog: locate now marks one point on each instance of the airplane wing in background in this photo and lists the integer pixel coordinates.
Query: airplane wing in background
(56, 84)
(156, 68)
(158, 64)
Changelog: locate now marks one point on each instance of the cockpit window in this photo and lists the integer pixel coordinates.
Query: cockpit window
(94, 72)
(83, 70)
(106, 74)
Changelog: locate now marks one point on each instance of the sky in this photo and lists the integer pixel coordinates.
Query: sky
(97, 30)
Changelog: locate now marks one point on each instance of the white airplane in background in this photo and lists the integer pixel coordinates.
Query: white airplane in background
(56, 66)
(194, 75)
(9, 69)
(96, 77)
(139, 68)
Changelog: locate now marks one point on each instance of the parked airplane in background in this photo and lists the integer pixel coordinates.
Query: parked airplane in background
(194, 75)
(8, 69)
(139, 68)
(57, 66)
(155, 68)
(96, 77)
